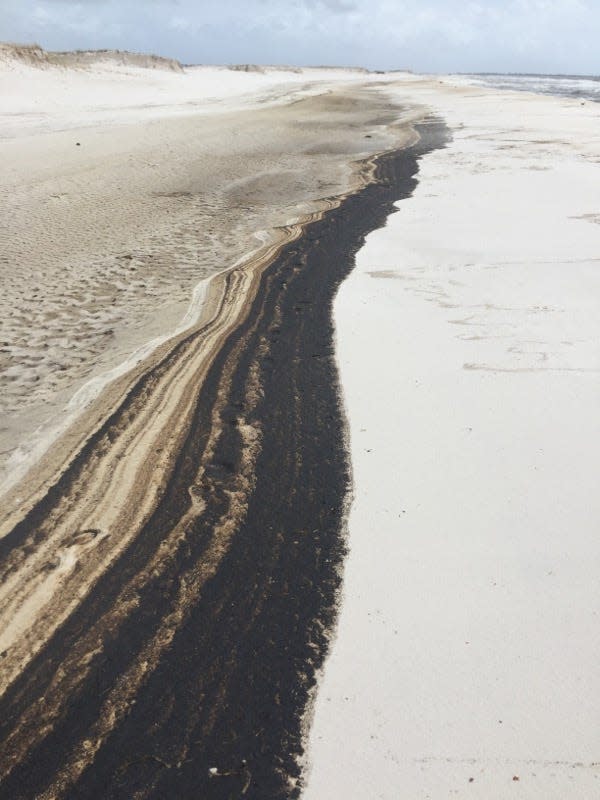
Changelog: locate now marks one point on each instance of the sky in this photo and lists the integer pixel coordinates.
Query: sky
(542, 36)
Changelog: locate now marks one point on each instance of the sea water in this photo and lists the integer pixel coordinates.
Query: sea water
(586, 87)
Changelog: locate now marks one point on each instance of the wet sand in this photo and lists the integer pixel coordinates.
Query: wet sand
(170, 564)
(225, 590)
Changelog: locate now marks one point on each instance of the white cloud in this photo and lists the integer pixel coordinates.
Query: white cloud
(179, 24)
(41, 16)
(465, 35)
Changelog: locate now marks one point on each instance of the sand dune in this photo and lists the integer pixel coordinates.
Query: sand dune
(36, 56)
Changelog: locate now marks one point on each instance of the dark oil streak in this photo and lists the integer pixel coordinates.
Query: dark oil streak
(230, 690)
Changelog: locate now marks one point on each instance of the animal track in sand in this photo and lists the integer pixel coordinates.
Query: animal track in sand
(51, 332)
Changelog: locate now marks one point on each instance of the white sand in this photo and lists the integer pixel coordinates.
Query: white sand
(35, 99)
(468, 341)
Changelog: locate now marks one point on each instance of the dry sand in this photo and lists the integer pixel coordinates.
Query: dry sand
(126, 188)
(466, 660)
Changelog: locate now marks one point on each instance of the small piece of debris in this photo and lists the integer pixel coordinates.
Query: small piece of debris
(471, 780)
(213, 772)
(516, 778)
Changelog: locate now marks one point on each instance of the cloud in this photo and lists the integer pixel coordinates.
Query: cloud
(41, 16)
(427, 35)
(179, 24)
(336, 6)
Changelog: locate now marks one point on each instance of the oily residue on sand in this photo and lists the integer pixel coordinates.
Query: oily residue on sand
(186, 573)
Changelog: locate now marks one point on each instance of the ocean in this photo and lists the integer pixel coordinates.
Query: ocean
(586, 87)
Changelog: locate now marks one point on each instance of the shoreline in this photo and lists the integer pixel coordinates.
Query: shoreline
(233, 485)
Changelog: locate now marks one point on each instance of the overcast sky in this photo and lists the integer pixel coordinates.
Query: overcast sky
(424, 35)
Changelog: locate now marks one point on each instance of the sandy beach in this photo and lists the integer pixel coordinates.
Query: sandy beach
(170, 382)
(300, 374)
(117, 209)
(465, 662)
